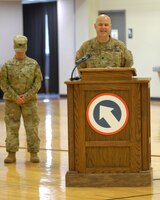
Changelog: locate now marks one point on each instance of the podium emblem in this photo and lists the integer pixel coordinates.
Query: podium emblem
(107, 114)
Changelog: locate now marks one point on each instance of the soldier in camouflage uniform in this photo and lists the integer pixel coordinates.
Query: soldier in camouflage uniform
(20, 81)
(105, 51)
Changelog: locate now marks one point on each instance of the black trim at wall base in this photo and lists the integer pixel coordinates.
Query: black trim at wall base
(63, 95)
(155, 99)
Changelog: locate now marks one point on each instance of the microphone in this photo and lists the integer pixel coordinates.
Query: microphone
(84, 58)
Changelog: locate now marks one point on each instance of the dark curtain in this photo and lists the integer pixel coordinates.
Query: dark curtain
(53, 42)
(34, 29)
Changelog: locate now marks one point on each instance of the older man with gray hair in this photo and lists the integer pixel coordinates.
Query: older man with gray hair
(105, 51)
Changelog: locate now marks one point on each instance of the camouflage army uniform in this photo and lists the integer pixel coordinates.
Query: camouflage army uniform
(21, 77)
(108, 54)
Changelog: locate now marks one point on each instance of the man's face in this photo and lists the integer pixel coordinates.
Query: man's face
(103, 26)
(20, 54)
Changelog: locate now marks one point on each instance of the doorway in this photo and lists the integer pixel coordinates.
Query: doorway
(41, 29)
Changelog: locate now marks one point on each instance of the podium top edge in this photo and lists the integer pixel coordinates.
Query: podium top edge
(110, 69)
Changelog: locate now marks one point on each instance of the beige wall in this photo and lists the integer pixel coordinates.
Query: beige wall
(66, 41)
(10, 25)
(75, 21)
(143, 16)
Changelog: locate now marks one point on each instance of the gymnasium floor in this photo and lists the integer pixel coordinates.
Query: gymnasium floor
(46, 180)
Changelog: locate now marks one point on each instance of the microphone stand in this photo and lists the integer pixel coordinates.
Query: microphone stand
(84, 58)
(77, 77)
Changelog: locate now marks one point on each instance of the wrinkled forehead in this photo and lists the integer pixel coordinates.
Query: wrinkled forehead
(103, 20)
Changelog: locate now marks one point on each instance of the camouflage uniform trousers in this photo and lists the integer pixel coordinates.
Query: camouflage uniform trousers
(29, 113)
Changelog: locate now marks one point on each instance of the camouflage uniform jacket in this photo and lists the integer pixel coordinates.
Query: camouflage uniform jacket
(108, 54)
(21, 77)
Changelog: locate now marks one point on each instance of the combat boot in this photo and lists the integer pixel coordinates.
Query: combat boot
(11, 158)
(34, 158)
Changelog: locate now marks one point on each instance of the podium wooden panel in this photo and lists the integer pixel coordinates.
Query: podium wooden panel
(121, 159)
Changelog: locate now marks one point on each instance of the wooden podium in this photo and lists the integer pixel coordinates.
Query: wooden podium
(109, 129)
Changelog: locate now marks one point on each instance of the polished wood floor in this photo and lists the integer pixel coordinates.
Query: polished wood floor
(46, 180)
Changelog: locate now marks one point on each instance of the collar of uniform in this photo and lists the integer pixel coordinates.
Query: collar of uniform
(107, 44)
(18, 59)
